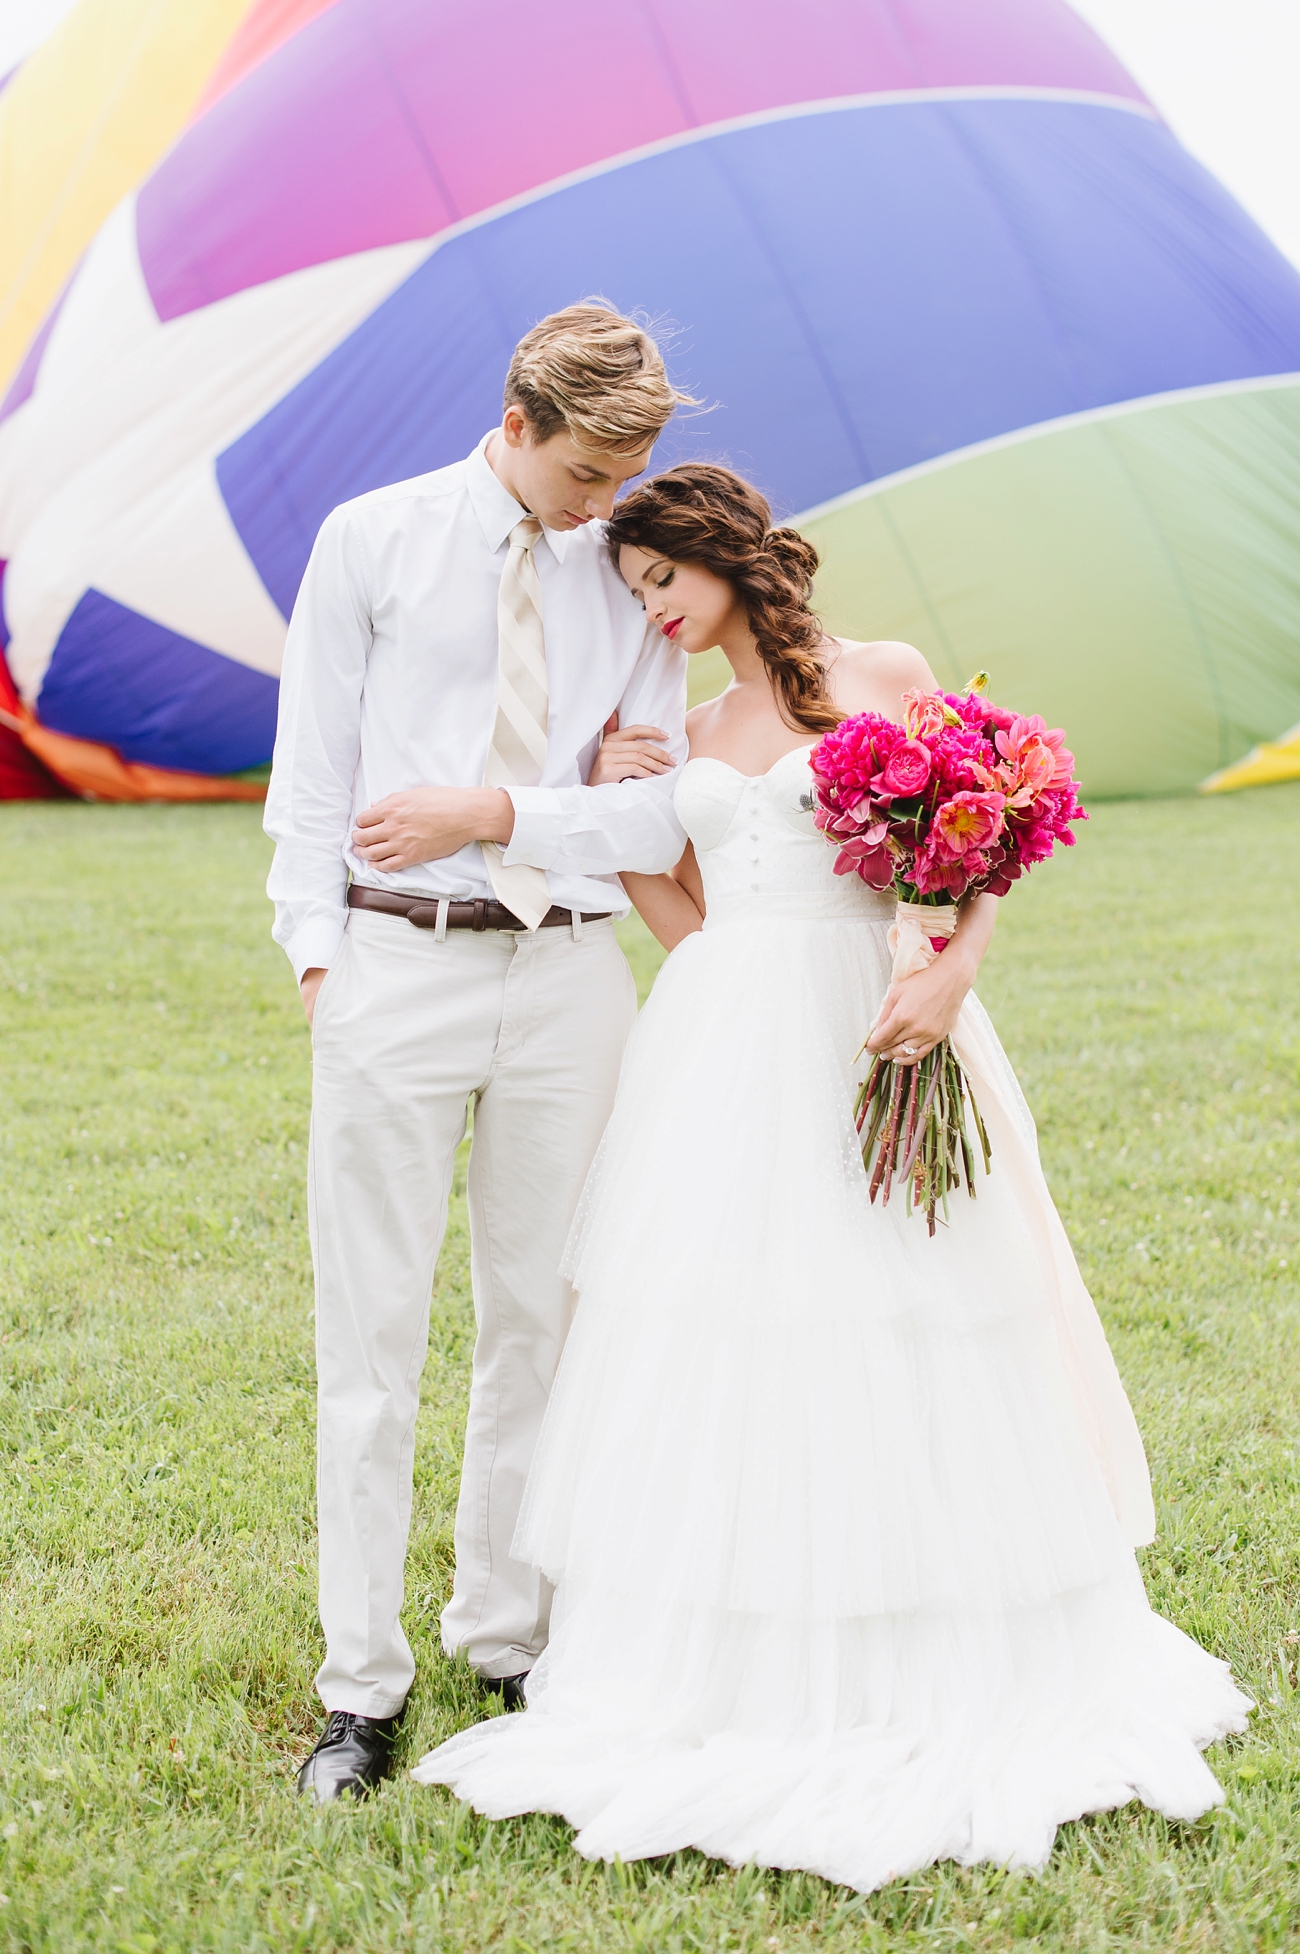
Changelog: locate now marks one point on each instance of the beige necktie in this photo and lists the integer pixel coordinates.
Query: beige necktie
(518, 750)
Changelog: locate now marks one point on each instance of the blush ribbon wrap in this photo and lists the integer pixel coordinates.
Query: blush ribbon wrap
(1102, 1403)
(910, 932)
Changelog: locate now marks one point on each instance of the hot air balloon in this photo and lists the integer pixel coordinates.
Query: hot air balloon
(967, 311)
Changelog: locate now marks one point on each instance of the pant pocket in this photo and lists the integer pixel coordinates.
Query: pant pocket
(327, 990)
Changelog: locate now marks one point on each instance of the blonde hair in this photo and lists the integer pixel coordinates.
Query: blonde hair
(595, 374)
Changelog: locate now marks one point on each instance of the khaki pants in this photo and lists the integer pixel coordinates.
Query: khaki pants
(407, 1030)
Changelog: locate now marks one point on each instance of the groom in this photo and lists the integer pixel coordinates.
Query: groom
(445, 887)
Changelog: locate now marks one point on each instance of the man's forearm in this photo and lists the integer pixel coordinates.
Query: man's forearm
(572, 830)
(423, 824)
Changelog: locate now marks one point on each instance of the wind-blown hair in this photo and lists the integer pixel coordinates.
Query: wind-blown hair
(699, 513)
(601, 376)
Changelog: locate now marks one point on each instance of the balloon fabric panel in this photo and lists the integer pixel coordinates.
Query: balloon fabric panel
(20, 387)
(868, 294)
(266, 27)
(1148, 554)
(107, 474)
(157, 697)
(22, 777)
(384, 120)
(977, 267)
(84, 118)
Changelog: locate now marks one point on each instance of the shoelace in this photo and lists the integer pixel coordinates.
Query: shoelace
(342, 1723)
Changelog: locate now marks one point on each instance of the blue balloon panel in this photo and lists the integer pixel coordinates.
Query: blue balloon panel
(860, 290)
(158, 697)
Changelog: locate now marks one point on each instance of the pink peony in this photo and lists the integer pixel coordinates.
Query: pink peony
(971, 710)
(958, 755)
(996, 716)
(846, 759)
(968, 821)
(934, 873)
(1035, 830)
(907, 771)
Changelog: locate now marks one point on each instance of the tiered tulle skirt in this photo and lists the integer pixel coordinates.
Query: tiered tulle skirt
(831, 1507)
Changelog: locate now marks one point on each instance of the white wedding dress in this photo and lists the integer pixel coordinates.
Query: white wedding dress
(841, 1517)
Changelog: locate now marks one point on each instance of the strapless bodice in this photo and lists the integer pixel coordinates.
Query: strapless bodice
(759, 853)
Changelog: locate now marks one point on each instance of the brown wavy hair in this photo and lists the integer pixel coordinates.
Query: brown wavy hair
(700, 513)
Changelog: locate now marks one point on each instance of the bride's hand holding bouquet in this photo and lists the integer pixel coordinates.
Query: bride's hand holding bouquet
(955, 803)
(919, 1011)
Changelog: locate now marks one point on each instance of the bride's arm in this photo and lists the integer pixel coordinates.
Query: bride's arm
(672, 905)
(923, 1009)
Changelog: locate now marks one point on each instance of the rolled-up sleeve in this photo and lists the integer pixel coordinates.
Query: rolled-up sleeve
(628, 825)
(317, 746)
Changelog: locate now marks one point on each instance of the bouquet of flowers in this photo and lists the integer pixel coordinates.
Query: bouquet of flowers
(963, 797)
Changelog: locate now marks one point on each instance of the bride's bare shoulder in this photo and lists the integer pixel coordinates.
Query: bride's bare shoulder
(874, 676)
(701, 721)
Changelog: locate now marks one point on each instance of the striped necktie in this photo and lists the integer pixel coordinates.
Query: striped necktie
(517, 754)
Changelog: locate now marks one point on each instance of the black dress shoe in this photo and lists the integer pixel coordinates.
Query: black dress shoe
(352, 1754)
(509, 1688)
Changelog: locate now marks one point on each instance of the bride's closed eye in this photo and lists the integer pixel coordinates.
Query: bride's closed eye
(660, 583)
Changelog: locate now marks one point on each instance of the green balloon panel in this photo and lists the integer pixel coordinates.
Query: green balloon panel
(1134, 577)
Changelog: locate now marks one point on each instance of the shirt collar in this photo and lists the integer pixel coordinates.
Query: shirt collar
(496, 508)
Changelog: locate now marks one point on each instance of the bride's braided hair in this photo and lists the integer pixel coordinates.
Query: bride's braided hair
(699, 513)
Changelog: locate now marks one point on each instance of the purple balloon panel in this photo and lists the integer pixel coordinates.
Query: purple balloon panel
(158, 697)
(860, 290)
(384, 120)
(23, 383)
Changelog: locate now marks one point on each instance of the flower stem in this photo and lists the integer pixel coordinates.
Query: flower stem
(891, 1135)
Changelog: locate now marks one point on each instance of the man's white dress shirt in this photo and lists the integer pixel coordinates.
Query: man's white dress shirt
(390, 681)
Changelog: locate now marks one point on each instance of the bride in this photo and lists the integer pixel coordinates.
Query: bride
(841, 1518)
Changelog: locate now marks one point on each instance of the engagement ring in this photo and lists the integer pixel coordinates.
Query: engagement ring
(910, 1050)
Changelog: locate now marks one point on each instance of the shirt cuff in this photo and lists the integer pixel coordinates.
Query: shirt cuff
(539, 828)
(315, 944)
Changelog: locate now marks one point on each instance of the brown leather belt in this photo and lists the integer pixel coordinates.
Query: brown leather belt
(477, 915)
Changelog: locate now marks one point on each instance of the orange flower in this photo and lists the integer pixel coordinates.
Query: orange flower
(926, 713)
(1037, 757)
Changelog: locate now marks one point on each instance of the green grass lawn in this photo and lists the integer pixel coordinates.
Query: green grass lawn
(158, 1632)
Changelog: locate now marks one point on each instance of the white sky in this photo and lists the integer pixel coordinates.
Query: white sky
(1224, 73)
